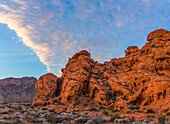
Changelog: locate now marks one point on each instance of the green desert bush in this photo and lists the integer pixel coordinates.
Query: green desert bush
(113, 117)
(57, 120)
(84, 104)
(101, 107)
(161, 119)
(128, 112)
(105, 112)
(115, 110)
(44, 109)
(49, 118)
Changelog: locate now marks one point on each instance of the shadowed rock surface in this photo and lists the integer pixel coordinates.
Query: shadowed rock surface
(17, 89)
(141, 78)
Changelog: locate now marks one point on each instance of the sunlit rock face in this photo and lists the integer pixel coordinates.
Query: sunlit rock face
(141, 78)
(17, 89)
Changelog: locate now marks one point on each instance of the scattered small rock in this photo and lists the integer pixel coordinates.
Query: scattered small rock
(5, 117)
(81, 120)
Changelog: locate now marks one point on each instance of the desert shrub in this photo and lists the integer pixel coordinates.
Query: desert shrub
(152, 116)
(115, 110)
(84, 104)
(126, 85)
(131, 107)
(57, 120)
(23, 111)
(161, 119)
(92, 109)
(49, 118)
(113, 117)
(101, 107)
(137, 107)
(74, 113)
(52, 110)
(88, 101)
(77, 110)
(3, 103)
(44, 109)
(152, 45)
(125, 98)
(150, 111)
(105, 112)
(160, 74)
(132, 91)
(166, 109)
(97, 77)
(147, 121)
(168, 113)
(128, 112)
(132, 119)
(98, 82)
(76, 98)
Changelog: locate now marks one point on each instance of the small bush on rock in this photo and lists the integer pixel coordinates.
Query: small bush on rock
(84, 104)
(101, 107)
(150, 111)
(105, 113)
(92, 109)
(113, 117)
(132, 119)
(74, 113)
(161, 119)
(44, 109)
(115, 110)
(128, 112)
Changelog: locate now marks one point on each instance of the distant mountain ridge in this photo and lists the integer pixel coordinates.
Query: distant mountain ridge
(17, 89)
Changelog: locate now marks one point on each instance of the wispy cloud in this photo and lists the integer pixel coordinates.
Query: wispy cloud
(56, 29)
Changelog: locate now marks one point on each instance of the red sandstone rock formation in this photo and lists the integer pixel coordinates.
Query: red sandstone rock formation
(141, 78)
(76, 76)
(46, 88)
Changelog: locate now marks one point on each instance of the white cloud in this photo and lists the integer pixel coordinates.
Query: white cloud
(55, 29)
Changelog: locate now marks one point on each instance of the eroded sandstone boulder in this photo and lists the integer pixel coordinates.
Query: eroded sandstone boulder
(76, 76)
(46, 88)
(156, 34)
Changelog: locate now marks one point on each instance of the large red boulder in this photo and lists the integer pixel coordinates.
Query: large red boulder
(46, 88)
(76, 76)
(156, 34)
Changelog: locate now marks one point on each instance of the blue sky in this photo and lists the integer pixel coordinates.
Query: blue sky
(38, 37)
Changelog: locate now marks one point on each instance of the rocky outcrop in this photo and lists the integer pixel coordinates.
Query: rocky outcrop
(46, 87)
(76, 76)
(17, 89)
(141, 78)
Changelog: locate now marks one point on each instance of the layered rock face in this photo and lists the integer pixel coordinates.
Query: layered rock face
(17, 89)
(141, 78)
